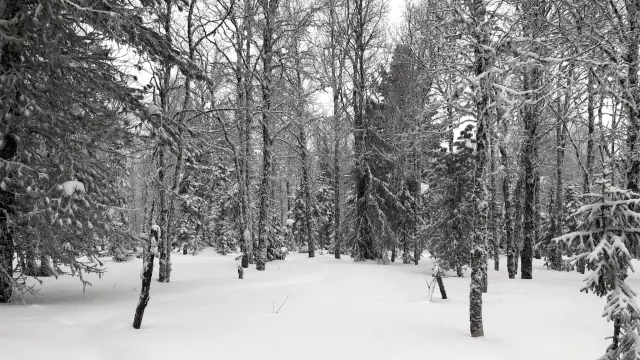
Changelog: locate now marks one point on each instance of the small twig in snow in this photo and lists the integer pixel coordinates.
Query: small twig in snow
(285, 300)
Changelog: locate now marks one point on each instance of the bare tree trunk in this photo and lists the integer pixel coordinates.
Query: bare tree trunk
(416, 248)
(244, 78)
(632, 94)
(304, 157)
(337, 63)
(147, 273)
(532, 84)
(247, 236)
(483, 62)
(591, 118)
(306, 193)
(493, 218)
(164, 245)
(508, 216)
(443, 292)
(561, 143)
(269, 8)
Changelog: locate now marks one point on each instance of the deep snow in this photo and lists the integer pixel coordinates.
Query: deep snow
(336, 309)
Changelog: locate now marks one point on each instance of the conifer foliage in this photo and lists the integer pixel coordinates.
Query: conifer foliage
(607, 238)
(452, 194)
(68, 115)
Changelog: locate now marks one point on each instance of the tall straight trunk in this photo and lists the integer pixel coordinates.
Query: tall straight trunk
(536, 234)
(535, 15)
(632, 93)
(529, 204)
(269, 8)
(186, 104)
(304, 157)
(336, 85)
(306, 193)
(591, 119)
(405, 246)
(248, 231)
(337, 240)
(164, 246)
(147, 273)
(483, 62)
(493, 206)
(417, 251)
(518, 222)
(9, 58)
(288, 189)
(508, 220)
(244, 119)
(561, 143)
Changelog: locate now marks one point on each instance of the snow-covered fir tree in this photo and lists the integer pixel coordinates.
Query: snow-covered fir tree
(606, 239)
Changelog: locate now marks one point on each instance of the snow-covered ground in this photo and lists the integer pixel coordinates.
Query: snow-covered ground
(336, 309)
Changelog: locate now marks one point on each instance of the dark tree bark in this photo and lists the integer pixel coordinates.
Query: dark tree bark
(30, 261)
(164, 246)
(493, 216)
(483, 62)
(247, 83)
(269, 8)
(416, 249)
(147, 273)
(443, 292)
(45, 267)
(508, 223)
(9, 58)
(304, 159)
(632, 93)
(337, 63)
(337, 240)
(405, 244)
(535, 23)
(561, 143)
(518, 222)
(591, 120)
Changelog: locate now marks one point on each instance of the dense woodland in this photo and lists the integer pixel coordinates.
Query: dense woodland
(469, 130)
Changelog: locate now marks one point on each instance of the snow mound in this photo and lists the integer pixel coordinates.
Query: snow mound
(70, 187)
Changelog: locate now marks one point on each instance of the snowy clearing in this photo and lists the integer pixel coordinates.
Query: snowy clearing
(336, 309)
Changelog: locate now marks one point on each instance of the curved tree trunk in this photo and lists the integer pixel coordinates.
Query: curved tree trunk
(147, 273)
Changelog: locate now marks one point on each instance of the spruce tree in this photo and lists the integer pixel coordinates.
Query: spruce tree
(606, 239)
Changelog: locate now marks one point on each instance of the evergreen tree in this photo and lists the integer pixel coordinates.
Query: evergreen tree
(607, 237)
(452, 200)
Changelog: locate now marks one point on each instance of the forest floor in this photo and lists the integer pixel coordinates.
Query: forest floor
(334, 309)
